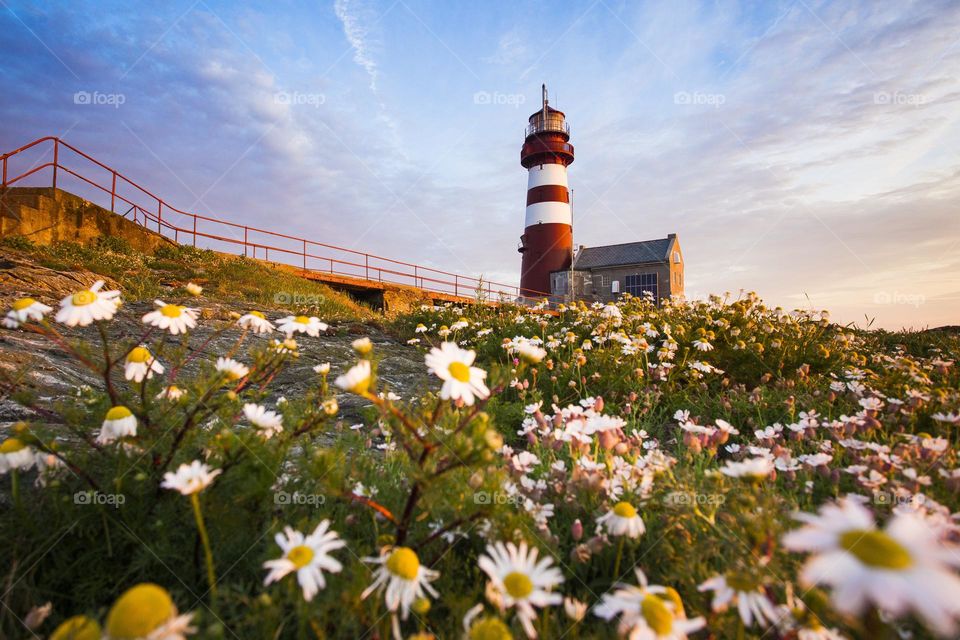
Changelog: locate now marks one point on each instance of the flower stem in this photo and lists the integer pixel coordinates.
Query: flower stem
(616, 564)
(205, 539)
(15, 488)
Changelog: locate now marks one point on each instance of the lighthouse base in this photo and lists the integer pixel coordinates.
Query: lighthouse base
(545, 248)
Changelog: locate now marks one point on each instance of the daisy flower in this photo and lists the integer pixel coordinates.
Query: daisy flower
(85, 307)
(402, 578)
(301, 324)
(530, 353)
(256, 322)
(363, 346)
(78, 628)
(25, 310)
(647, 612)
(118, 423)
(904, 567)
(623, 520)
(484, 628)
(749, 596)
(233, 369)
(15, 454)
(521, 580)
(750, 469)
(190, 478)
(269, 423)
(611, 311)
(147, 611)
(172, 393)
(575, 609)
(141, 364)
(461, 381)
(323, 368)
(308, 556)
(357, 379)
(171, 317)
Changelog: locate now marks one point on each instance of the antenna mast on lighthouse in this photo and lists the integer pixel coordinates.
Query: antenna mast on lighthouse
(547, 241)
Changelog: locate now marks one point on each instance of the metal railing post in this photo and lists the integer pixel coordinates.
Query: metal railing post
(56, 160)
(113, 191)
(195, 230)
(304, 254)
(159, 216)
(456, 285)
(366, 266)
(4, 170)
(245, 230)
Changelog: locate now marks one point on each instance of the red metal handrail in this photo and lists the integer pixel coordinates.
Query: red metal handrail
(354, 263)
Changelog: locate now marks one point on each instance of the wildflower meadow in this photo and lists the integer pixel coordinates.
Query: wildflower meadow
(703, 469)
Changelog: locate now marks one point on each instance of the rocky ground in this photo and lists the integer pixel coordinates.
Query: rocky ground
(32, 361)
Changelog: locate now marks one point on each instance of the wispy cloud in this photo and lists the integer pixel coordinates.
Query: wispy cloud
(353, 18)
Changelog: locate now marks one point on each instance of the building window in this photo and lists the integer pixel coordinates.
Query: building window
(637, 284)
(676, 257)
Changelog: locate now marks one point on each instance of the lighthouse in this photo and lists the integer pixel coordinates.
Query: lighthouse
(547, 241)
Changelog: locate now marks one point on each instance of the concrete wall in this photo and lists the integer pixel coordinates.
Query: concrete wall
(46, 215)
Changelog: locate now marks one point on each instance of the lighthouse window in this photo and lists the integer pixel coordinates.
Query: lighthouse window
(637, 284)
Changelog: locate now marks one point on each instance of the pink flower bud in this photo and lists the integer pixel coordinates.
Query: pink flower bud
(576, 530)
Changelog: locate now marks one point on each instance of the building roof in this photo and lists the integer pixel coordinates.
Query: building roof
(622, 254)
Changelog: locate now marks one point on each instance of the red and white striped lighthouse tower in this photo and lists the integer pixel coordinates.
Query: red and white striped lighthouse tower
(547, 240)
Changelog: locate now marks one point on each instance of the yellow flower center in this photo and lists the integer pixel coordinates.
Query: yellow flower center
(12, 445)
(258, 315)
(77, 628)
(459, 371)
(139, 611)
(490, 629)
(657, 614)
(518, 585)
(83, 298)
(172, 310)
(302, 319)
(300, 556)
(625, 510)
(139, 354)
(118, 413)
(876, 549)
(404, 563)
(23, 303)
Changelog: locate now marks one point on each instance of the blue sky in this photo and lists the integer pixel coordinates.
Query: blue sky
(806, 150)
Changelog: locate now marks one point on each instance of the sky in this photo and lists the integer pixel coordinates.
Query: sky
(804, 150)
